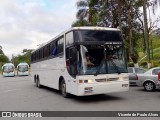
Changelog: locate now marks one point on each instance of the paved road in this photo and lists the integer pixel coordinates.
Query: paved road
(21, 94)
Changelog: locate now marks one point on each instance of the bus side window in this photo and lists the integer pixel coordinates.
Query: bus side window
(55, 49)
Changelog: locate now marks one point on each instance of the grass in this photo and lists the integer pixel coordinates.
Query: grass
(156, 52)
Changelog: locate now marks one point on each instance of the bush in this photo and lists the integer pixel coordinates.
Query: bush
(143, 63)
(130, 64)
(156, 63)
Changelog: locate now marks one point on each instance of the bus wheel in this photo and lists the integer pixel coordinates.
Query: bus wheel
(35, 78)
(63, 89)
(38, 83)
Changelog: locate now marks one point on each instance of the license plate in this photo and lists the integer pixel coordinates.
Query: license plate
(124, 85)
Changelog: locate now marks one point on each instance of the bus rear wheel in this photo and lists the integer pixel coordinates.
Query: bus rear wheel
(38, 83)
(63, 89)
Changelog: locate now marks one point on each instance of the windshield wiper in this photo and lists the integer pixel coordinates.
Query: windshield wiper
(99, 68)
(104, 59)
(115, 66)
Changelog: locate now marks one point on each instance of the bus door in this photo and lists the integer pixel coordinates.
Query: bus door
(72, 61)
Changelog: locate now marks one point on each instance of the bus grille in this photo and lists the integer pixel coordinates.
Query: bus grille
(101, 80)
(105, 80)
(112, 79)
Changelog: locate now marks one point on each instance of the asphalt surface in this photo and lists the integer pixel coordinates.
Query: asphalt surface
(21, 94)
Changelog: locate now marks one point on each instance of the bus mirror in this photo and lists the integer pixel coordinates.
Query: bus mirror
(159, 75)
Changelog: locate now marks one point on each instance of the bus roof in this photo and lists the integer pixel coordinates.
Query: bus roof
(6, 64)
(22, 63)
(78, 28)
(93, 28)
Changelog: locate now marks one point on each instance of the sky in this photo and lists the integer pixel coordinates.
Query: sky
(24, 24)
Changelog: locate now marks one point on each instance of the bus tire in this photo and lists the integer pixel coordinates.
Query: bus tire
(35, 78)
(63, 89)
(38, 83)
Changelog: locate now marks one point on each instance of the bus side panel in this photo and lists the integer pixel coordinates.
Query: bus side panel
(49, 71)
(71, 83)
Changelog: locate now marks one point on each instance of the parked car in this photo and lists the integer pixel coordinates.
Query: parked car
(133, 71)
(150, 80)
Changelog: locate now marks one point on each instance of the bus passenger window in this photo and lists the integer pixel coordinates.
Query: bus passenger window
(55, 50)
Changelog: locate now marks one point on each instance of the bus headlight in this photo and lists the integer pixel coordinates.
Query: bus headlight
(86, 81)
(90, 81)
(121, 78)
(80, 81)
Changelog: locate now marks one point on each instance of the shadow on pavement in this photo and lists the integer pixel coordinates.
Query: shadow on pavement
(97, 98)
(91, 98)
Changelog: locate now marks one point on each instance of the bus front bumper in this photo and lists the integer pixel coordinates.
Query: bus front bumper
(8, 74)
(102, 88)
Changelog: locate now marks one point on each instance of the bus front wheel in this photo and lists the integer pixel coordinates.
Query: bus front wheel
(63, 89)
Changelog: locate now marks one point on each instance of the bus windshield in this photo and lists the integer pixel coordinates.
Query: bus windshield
(97, 35)
(8, 68)
(23, 68)
(101, 59)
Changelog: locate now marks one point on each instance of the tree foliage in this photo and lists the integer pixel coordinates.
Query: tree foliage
(25, 57)
(80, 23)
(3, 58)
(125, 14)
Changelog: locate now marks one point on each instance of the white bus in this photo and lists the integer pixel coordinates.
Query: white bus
(23, 69)
(8, 70)
(61, 63)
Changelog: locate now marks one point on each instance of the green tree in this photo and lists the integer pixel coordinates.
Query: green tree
(122, 14)
(3, 57)
(87, 11)
(78, 23)
(22, 58)
(146, 30)
(125, 14)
